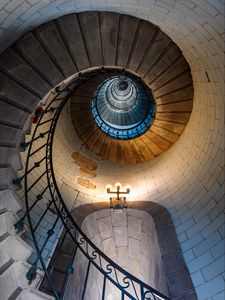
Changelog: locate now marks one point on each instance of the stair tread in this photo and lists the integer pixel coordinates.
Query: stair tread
(109, 31)
(32, 51)
(52, 40)
(89, 22)
(70, 30)
(127, 30)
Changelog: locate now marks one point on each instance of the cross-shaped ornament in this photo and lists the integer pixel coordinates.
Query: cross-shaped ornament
(118, 203)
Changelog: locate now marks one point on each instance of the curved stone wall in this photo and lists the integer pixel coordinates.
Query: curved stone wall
(130, 240)
(188, 180)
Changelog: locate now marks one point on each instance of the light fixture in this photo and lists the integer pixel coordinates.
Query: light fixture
(118, 203)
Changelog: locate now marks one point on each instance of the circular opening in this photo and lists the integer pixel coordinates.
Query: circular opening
(123, 108)
(123, 85)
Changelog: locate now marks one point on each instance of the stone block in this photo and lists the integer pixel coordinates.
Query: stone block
(109, 247)
(33, 294)
(13, 249)
(210, 288)
(207, 244)
(134, 248)
(165, 230)
(119, 219)
(52, 40)
(179, 283)
(17, 95)
(120, 234)
(190, 243)
(188, 296)
(197, 278)
(173, 262)
(23, 72)
(11, 115)
(200, 262)
(145, 243)
(122, 256)
(134, 266)
(103, 213)
(7, 220)
(90, 226)
(218, 250)
(144, 263)
(109, 28)
(214, 268)
(10, 136)
(89, 22)
(29, 47)
(10, 157)
(14, 279)
(105, 227)
(9, 201)
(134, 227)
(84, 210)
(168, 244)
(6, 178)
(70, 29)
(97, 241)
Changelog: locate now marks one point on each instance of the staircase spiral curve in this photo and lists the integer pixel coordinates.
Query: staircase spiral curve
(84, 44)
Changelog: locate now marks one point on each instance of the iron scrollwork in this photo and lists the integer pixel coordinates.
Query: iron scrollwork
(125, 282)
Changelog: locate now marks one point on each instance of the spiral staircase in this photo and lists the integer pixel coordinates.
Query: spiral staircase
(71, 57)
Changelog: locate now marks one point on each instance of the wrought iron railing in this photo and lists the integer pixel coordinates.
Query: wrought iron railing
(41, 190)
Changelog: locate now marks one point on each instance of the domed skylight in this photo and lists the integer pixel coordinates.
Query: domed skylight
(123, 108)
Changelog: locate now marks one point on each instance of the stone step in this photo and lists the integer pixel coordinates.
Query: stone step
(28, 125)
(7, 221)
(52, 40)
(7, 175)
(89, 24)
(12, 116)
(11, 136)
(109, 31)
(19, 70)
(13, 280)
(127, 31)
(70, 30)
(10, 157)
(13, 93)
(12, 249)
(159, 44)
(30, 49)
(33, 294)
(9, 201)
(142, 44)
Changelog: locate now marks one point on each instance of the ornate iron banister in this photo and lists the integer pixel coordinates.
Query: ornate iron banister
(49, 193)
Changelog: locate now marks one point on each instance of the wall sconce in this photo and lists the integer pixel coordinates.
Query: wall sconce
(118, 203)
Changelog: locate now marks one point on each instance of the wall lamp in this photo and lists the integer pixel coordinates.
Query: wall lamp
(118, 203)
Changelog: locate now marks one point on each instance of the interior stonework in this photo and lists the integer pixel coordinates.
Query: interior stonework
(169, 256)
(129, 239)
(188, 179)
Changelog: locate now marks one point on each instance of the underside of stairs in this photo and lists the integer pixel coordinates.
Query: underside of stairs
(38, 62)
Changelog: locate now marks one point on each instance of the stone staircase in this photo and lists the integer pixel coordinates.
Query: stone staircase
(14, 252)
(42, 59)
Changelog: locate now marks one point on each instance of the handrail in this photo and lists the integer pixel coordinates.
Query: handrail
(129, 286)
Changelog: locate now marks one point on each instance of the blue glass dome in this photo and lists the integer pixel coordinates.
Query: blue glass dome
(123, 108)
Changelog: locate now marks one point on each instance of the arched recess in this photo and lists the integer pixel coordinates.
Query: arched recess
(178, 279)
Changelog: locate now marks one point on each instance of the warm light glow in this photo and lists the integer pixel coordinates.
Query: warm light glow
(128, 187)
(108, 186)
(118, 185)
